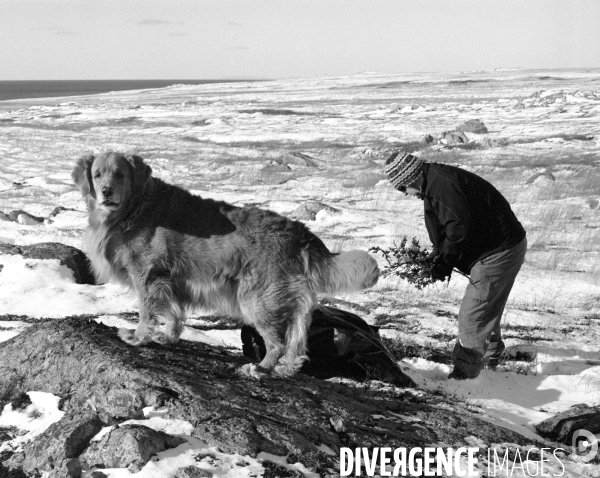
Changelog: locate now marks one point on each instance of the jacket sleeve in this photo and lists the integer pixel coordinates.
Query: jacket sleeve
(436, 232)
(453, 213)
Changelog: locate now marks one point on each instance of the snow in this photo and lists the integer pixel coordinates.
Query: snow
(557, 289)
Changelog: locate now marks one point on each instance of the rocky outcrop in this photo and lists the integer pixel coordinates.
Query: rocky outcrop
(447, 138)
(472, 126)
(58, 448)
(103, 380)
(562, 426)
(68, 256)
(128, 446)
(308, 211)
(456, 136)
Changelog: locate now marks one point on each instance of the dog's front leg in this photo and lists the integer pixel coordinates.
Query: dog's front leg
(145, 329)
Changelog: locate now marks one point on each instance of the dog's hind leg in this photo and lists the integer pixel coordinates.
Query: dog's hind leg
(282, 317)
(296, 335)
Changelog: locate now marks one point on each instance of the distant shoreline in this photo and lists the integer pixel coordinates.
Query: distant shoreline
(31, 89)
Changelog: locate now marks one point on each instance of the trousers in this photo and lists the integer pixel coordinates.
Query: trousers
(480, 315)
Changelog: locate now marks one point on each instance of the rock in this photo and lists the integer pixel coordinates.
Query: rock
(428, 138)
(84, 362)
(57, 210)
(450, 138)
(59, 447)
(275, 167)
(562, 425)
(29, 220)
(473, 126)
(68, 256)
(192, 472)
(14, 216)
(301, 159)
(97, 474)
(308, 211)
(453, 138)
(545, 177)
(4, 217)
(129, 446)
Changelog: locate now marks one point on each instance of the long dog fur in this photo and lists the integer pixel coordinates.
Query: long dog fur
(179, 251)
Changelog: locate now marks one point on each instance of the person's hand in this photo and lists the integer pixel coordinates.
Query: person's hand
(440, 270)
(433, 255)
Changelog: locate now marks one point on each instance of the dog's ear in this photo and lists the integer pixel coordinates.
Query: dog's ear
(82, 175)
(141, 172)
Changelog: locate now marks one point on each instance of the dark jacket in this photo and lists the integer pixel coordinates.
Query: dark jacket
(466, 217)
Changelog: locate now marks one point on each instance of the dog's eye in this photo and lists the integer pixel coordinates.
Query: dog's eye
(97, 175)
(119, 174)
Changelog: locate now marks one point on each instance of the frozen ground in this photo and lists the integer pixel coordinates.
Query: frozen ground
(278, 144)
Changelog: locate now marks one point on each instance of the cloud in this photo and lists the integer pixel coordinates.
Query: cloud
(234, 24)
(178, 34)
(239, 48)
(65, 32)
(153, 21)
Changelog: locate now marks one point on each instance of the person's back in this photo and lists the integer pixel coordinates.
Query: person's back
(483, 221)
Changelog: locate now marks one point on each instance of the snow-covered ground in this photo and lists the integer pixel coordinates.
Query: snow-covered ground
(278, 144)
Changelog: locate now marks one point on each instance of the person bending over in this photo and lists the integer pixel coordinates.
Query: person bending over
(473, 229)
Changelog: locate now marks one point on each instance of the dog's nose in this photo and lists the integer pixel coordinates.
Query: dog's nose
(106, 191)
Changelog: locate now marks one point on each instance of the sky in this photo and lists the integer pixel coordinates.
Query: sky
(222, 39)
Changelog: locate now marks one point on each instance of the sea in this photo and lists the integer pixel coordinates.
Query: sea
(18, 90)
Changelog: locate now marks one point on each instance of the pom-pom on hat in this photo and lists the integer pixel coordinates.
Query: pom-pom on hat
(403, 169)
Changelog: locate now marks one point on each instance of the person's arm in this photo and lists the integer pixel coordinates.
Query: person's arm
(454, 216)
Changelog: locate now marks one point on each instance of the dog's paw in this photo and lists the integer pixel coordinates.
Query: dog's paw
(251, 370)
(128, 335)
(163, 339)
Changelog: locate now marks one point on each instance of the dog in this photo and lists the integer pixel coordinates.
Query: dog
(179, 251)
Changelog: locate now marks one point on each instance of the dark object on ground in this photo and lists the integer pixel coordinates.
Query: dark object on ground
(21, 402)
(100, 378)
(339, 344)
(68, 256)
(473, 126)
(562, 425)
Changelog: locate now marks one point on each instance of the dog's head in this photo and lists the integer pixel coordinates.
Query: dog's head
(109, 181)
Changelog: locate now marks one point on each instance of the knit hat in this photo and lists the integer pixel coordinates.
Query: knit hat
(403, 169)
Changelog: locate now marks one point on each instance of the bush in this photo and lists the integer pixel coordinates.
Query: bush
(409, 263)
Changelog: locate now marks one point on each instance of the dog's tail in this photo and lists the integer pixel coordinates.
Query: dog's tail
(348, 271)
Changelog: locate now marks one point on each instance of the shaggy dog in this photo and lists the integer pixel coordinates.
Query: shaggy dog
(179, 251)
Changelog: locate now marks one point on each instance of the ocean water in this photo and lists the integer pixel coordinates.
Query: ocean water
(14, 90)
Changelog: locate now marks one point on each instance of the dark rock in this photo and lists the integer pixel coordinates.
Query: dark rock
(59, 446)
(68, 256)
(192, 472)
(57, 210)
(85, 362)
(308, 211)
(473, 126)
(428, 138)
(23, 217)
(129, 446)
(561, 426)
(4, 217)
(97, 474)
